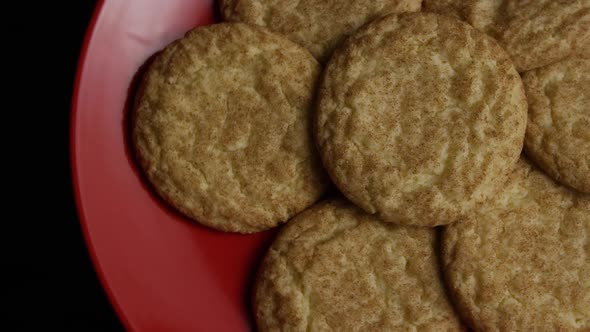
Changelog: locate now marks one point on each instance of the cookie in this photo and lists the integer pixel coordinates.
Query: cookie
(481, 14)
(558, 130)
(523, 262)
(319, 25)
(420, 118)
(222, 127)
(336, 268)
(534, 33)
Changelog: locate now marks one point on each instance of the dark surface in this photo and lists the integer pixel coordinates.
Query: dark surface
(55, 286)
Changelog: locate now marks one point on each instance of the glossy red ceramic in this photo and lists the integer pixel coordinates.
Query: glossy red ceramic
(161, 272)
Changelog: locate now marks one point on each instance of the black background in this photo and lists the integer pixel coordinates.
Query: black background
(52, 284)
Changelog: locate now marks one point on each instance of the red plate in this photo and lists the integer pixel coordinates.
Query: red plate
(161, 272)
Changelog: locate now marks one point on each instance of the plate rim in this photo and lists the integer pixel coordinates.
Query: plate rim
(80, 71)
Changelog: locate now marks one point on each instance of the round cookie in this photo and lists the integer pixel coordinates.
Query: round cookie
(319, 25)
(336, 268)
(523, 262)
(558, 130)
(420, 118)
(222, 127)
(547, 31)
(534, 33)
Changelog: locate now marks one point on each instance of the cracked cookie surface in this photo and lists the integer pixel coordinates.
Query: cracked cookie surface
(420, 118)
(336, 268)
(534, 33)
(558, 130)
(319, 25)
(523, 262)
(222, 127)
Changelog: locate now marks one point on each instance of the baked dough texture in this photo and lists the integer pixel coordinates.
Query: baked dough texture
(558, 130)
(336, 268)
(319, 25)
(534, 33)
(523, 262)
(222, 127)
(420, 118)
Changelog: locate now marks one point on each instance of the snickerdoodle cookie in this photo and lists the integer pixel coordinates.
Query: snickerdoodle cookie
(558, 130)
(336, 268)
(319, 25)
(421, 118)
(222, 127)
(523, 261)
(534, 33)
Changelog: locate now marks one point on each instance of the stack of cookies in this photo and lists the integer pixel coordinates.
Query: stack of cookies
(417, 113)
